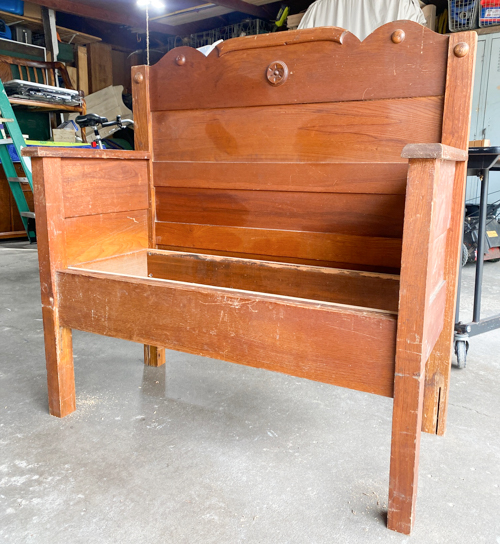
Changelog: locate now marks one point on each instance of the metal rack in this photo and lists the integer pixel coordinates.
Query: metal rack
(462, 14)
(249, 27)
(481, 161)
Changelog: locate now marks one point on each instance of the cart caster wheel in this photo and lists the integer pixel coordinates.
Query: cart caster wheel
(461, 349)
(465, 255)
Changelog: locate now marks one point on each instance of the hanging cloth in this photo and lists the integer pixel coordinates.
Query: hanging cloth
(361, 17)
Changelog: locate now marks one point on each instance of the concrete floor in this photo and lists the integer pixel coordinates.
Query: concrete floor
(202, 451)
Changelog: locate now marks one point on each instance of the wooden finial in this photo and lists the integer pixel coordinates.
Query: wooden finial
(180, 60)
(398, 36)
(139, 77)
(461, 49)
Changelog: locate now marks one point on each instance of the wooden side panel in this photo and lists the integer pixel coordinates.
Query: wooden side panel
(104, 186)
(378, 291)
(321, 71)
(359, 215)
(319, 341)
(456, 129)
(358, 177)
(369, 132)
(383, 252)
(99, 236)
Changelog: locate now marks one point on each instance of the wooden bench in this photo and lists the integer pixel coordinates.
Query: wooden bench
(294, 203)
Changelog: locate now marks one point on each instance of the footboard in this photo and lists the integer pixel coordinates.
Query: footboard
(331, 343)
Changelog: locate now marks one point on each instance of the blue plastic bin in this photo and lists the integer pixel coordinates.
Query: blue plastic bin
(12, 6)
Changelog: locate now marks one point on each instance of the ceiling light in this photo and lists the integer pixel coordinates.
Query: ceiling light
(155, 4)
(147, 4)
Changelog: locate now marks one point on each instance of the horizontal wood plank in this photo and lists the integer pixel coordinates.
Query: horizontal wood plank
(322, 71)
(357, 177)
(370, 132)
(304, 245)
(333, 344)
(84, 153)
(378, 291)
(104, 186)
(99, 236)
(280, 259)
(359, 215)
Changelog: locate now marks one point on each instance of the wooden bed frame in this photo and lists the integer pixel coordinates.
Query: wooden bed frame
(294, 203)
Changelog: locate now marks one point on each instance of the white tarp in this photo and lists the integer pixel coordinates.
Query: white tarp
(361, 17)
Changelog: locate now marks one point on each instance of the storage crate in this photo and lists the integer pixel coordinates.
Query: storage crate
(489, 13)
(462, 14)
(12, 6)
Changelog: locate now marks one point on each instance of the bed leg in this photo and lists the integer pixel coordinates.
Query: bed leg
(405, 448)
(60, 371)
(154, 356)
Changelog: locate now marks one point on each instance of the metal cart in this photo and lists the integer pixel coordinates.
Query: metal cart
(481, 161)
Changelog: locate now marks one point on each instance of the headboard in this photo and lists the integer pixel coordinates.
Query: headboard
(287, 146)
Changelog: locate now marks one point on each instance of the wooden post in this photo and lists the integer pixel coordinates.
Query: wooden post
(83, 69)
(414, 299)
(50, 31)
(456, 127)
(153, 355)
(49, 212)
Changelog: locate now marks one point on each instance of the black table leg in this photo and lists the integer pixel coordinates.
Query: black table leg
(483, 208)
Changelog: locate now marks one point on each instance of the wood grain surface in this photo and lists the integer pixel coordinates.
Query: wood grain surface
(371, 290)
(456, 128)
(51, 241)
(422, 301)
(357, 177)
(295, 244)
(85, 153)
(321, 71)
(98, 236)
(289, 260)
(374, 131)
(153, 355)
(360, 215)
(308, 339)
(104, 186)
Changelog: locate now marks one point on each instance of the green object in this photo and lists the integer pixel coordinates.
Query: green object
(66, 52)
(36, 124)
(282, 15)
(16, 138)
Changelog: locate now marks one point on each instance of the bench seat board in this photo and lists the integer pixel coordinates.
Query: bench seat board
(335, 344)
(354, 288)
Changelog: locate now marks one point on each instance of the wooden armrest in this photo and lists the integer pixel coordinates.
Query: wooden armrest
(79, 153)
(434, 151)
